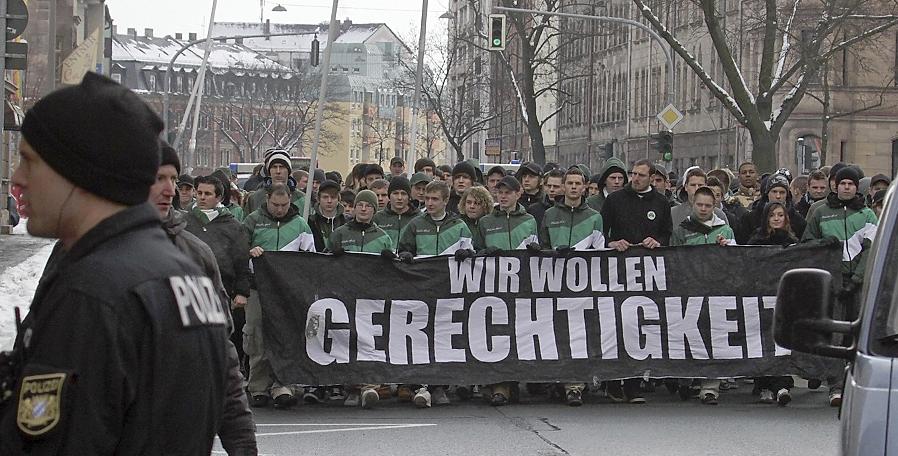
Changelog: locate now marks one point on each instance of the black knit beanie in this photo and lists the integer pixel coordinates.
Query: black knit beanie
(465, 167)
(835, 170)
(399, 183)
(100, 136)
(850, 173)
(169, 156)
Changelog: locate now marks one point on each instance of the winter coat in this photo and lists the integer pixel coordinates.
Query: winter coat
(123, 368)
(426, 236)
(777, 237)
(452, 204)
(577, 227)
(693, 232)
(850, 222)
(237, 430)
(538, 210)
(804, 204)
(322, 226)
(355, 236)
(228, 241)
(527, 199)
(259, 198)
(612, 165)
(746, 196)
(270, 233)
(473, 224)
(237, 212)
(635, 216)
(394, 223)
(683, 210)
(507, 230)
(755, 219)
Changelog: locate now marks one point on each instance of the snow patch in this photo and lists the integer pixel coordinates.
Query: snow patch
(17, 286)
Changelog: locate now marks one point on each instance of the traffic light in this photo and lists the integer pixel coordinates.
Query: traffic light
(606, 151)
(315, 53)
(497, 32)
(664, 144)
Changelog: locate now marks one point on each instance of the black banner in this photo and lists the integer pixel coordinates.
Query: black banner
(704, 311)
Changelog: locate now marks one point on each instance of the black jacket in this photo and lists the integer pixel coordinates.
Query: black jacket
(636, 216)
(778, 237)
(237, 431)
(227, 239)
(452, 204)
(754, 220)
(119, 337)
(528, 200)
(538, 210)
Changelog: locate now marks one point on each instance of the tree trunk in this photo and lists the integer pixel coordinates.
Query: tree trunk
(763, 151)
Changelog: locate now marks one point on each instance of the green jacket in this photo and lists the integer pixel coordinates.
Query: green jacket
(361, 237)
(507, 230)
(259, 197)
(425, 236)
(394, 223)
(290, 232)
(693, 232)
(578, 227)
(237, 212)
(850, 222)
(473, 224)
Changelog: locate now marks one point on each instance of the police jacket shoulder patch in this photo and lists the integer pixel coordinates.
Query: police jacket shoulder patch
(40, 403)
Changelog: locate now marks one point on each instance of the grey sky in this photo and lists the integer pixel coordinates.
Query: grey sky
(170, 16)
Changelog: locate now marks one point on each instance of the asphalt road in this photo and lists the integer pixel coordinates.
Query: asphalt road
(664, 426)
(16, 248)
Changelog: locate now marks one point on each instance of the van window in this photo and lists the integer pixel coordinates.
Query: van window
(884, 328)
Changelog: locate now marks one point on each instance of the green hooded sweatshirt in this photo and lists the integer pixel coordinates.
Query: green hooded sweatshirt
(850, 222)
(426, 236)
(394, 223)
(693, 232)
(355, 236)
(290, 232)
(611, 165)
(507, 230)
(578, 227)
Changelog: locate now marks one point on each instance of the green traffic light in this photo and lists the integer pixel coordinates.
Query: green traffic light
(497, 42)
(668, 156)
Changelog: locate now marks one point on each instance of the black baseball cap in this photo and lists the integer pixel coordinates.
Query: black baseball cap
(511, 182)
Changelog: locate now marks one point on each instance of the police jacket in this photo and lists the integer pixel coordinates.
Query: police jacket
(123, 350)
(237, 431)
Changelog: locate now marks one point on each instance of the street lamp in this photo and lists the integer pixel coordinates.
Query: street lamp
(279, 9)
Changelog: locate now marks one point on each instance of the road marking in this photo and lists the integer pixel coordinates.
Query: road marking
(351, 427)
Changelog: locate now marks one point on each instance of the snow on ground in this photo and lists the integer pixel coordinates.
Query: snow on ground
(17, 285)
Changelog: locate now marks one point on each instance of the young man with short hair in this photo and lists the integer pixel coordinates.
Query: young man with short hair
(419, 182)
(464, 176)
(529, 175)
(278, 168)
(426, 166)
(397, 167)
(437, 231)
(493, 176)
(399, 212)
(612, 178)
(380, 188)
(749, 187)
(328, 215)
(695, 179)
(818, 188)
(553, 192)
(347, 197)
(572, 225)
(372, 173)
(186, 193)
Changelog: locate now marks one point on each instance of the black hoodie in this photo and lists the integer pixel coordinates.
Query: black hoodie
(634, 216)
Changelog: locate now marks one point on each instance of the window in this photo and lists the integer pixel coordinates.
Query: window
(151, 82)
(117, 77)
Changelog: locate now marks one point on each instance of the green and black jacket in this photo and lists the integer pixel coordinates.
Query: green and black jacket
(694, 232)
(507, 230)
(394, 223)
(258, 198)
(425, 236)
(290, 232)
(850, 222)
(579, 228)
(355, 236)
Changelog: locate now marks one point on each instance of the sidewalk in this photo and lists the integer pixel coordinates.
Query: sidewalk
(22, 259)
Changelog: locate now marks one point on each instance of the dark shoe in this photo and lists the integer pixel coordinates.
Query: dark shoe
(463, 392)
(313, 395)
(284, 401)
(814, 383)
(636, 399)
(614, 391)
(835, 397)
(685, 392)
(709, 399)
(783, 397)
(260, 401)
(671, 386)
(574, 398)
(498, 399)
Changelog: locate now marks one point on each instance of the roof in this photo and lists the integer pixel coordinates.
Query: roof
(355, 33)
(158, 51)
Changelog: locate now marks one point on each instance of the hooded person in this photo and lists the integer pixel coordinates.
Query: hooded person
(612, 178)
(104, 340)
(227, 202)
(277, 169)
(776, 188)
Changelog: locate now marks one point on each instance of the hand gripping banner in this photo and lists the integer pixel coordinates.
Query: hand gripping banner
(695, 311)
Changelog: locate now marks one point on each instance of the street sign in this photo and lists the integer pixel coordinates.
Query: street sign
(16, 55)
(16, 19)
(670, 116)
(492, 147)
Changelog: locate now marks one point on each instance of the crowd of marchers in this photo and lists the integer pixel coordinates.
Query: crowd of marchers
(464, 211)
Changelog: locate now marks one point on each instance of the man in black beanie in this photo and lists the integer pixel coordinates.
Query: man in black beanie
(399, 210)
(123, 349)
(464, 176)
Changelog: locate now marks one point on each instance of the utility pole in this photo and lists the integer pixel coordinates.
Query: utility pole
(419, 79)
(7, 163)
(322, 98)
(201, 82)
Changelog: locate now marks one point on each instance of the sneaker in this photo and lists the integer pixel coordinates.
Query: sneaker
(463, 392)
(814, 383)
(615, 392)
(498, 399)
(313, 395)
(709, 399)
(574, 398)
(352, 399)
(284, 401)
(783, 397)
(422, 398)
(336, 393)
(439, 396)
(766, 396)
(369, 398)
(835, 397)
(404, 393)
(260, 400)
(637, 399)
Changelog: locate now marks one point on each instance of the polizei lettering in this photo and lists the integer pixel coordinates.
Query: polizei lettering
(198, 303)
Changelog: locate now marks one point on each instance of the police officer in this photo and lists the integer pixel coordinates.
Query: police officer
(123, 350)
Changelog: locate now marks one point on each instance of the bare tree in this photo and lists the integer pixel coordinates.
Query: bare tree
(380, 131)
(790, 60)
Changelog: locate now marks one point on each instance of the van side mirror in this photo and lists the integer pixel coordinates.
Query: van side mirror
(802, 320)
